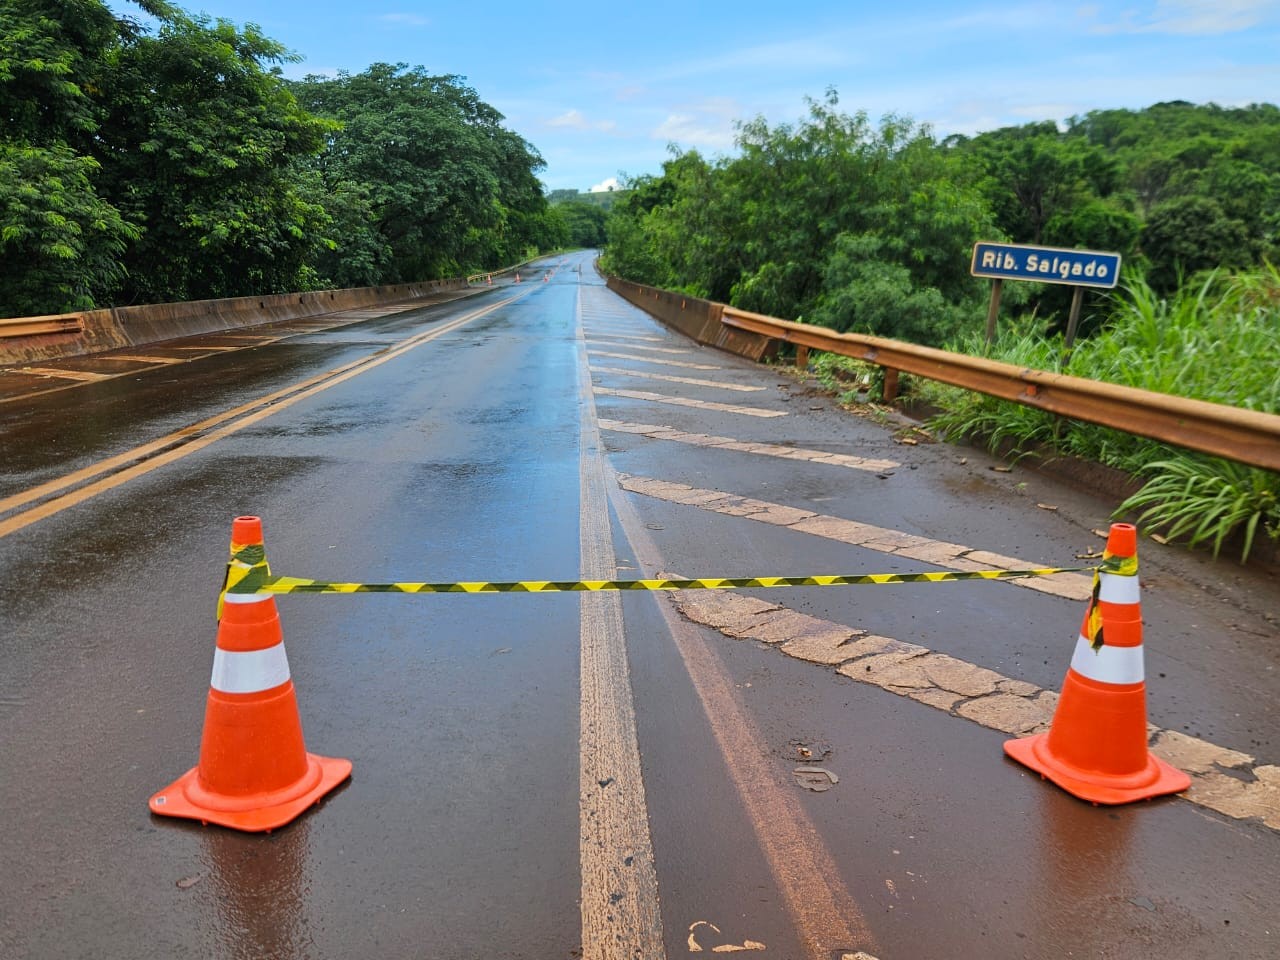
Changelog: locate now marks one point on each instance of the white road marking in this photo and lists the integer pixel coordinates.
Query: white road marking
(686, 402)
(975, 693)
(693, 381)
(953, 556)
(655, 360)
(660, 432)
(636, 346)
(621, 919)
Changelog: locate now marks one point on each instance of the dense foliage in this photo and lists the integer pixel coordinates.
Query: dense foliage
(429, 179)
(584, 223)
(869, 228)
(830, 219)
(174, 162)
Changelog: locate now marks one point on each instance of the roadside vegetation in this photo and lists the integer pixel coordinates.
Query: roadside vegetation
(172, 161)
(160, 158)
(869, 228)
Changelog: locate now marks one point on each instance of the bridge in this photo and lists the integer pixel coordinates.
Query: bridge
(549, 768)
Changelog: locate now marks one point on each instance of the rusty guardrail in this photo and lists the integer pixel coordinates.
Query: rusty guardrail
(1245, 436)
(38, 326)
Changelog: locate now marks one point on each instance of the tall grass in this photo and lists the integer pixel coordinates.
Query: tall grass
(1217, 339)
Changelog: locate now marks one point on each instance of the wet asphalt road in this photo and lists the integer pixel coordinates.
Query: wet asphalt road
(461, 832)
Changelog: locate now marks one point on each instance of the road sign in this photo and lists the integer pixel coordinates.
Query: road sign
(1011, 261)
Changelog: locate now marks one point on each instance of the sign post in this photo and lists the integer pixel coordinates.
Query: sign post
(993, 311)
(1012, 261)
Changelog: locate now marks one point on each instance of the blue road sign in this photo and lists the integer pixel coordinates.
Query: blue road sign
(1011, 261)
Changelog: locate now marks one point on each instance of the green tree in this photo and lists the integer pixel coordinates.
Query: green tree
(809, 219)
(446, 185)
(49, 54)
(198, 146)
(1188, 234)
(1033, 175)
(60, 242)
(584, 223)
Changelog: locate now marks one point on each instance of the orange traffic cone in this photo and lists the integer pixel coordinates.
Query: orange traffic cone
(489, 280)
(254, 772)
(1096, 747)
(517, 276)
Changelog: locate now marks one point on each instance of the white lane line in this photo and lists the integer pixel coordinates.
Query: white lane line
(636, 346)
(626, 336)
(621, 919)
(692, 381)
(953, 556)
(656, 360)
(685, 402)
(659, 432)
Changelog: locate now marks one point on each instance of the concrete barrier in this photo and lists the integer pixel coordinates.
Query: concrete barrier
(110, 329)
(695, 318)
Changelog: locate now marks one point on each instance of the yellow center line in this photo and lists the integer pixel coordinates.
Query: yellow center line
(188, 440)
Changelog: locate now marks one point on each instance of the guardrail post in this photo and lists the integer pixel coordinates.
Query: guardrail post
(802, 357)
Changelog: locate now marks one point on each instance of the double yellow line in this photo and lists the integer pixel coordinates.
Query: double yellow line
(76, 487)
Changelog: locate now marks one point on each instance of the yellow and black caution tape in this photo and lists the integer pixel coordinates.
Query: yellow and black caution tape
(267, 584)
(248, 564)
(1120, 566)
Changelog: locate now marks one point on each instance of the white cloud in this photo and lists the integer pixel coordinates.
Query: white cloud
(406, 19)
(1187, 17)
(572, 119)
(688, 130)
(707, 124)
(610, 184)
(576, 120)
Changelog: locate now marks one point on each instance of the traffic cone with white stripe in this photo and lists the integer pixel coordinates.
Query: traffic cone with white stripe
(1096, 747)
(254, 772)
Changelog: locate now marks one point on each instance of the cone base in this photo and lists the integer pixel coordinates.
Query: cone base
(179, 799)
(1156, 779)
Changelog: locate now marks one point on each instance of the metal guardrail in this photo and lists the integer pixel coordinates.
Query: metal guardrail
(38, 326)
(1245, 436)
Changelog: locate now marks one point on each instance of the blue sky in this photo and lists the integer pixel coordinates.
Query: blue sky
(601, 90)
